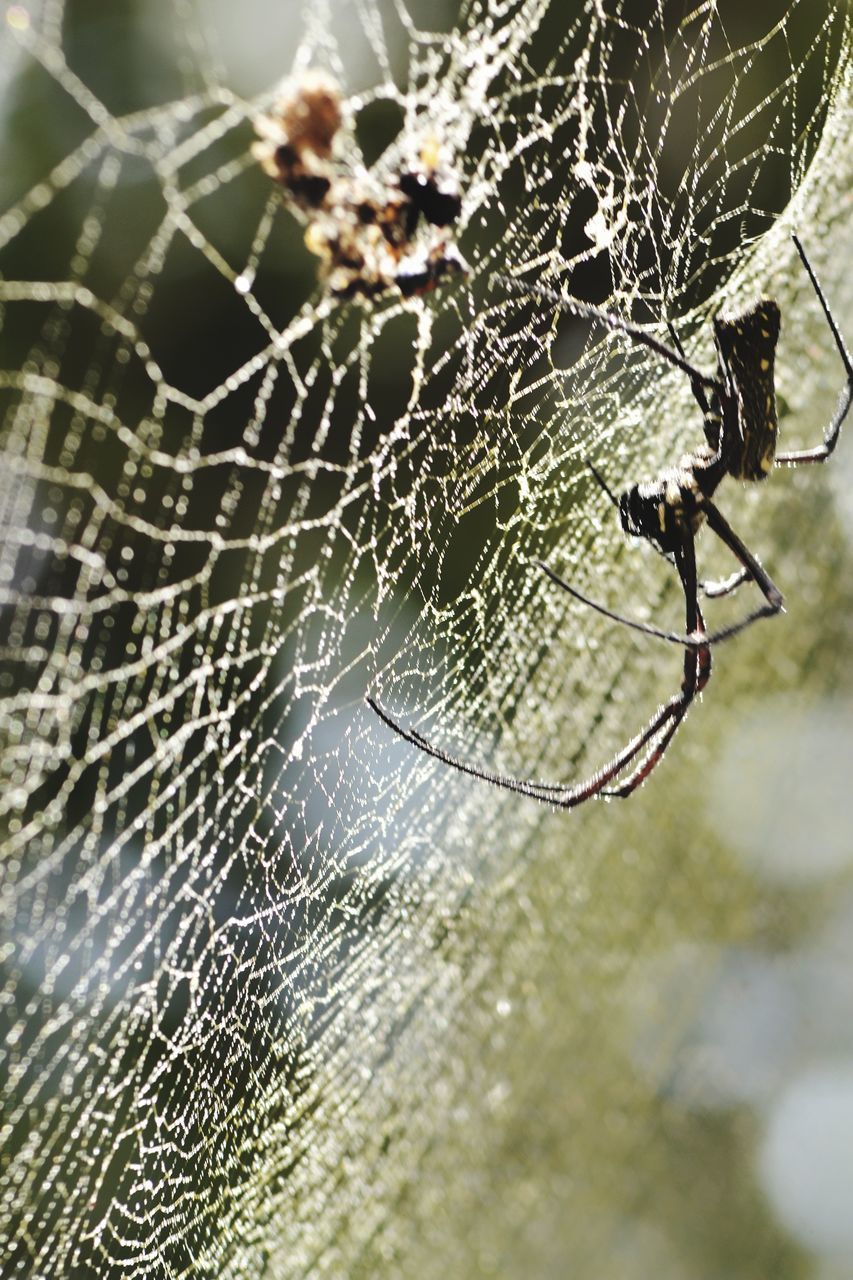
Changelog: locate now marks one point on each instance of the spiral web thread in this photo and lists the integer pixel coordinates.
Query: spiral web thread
(232, 505)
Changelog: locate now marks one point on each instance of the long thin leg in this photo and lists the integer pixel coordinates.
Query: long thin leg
(696, 387)
(613, 322)
(715, 590)
(659, 748)
(719, 525)
(711, 421)
(559, 795)
(695, 640)
(692, 642)
(602, 483)
(823, 451)
(697, 673)
(658, 732)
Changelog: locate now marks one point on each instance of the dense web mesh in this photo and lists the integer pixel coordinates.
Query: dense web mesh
(245, 927)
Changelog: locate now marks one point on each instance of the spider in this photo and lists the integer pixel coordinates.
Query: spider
(739, 419)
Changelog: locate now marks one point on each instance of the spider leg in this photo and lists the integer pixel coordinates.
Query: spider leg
(602, 483)
(557, 794)
(698, 640)
(825, 450)
(668, 719)
(691, 641)
(674, 637)
(696, 387)
(678, 708)
(658, 732)
(714, 590)
(697, 673)
(752, 568)
(613, 321)
(711, 420)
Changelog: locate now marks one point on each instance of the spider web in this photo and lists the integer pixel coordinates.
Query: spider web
(254, 945)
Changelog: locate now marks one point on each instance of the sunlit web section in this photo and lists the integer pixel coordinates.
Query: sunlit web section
(233, 504)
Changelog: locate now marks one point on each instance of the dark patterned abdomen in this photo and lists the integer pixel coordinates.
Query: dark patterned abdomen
(746, 350)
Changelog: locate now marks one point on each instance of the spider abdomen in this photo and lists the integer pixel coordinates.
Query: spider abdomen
(746, 351)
